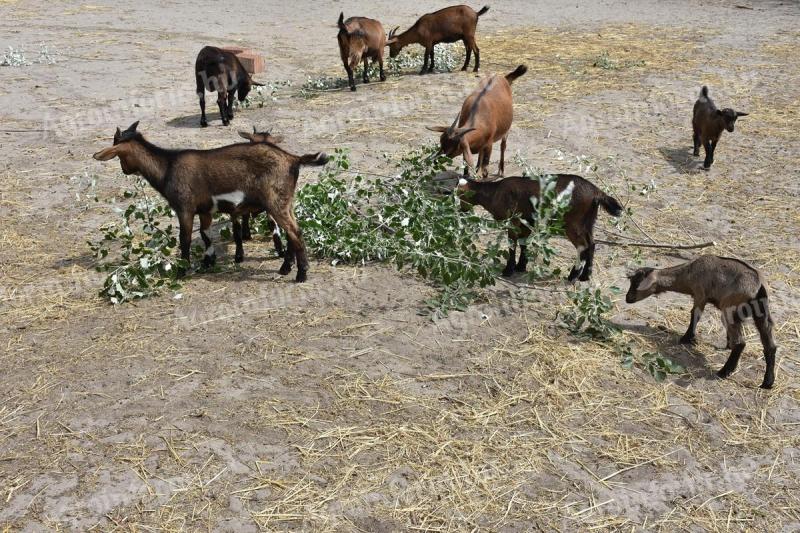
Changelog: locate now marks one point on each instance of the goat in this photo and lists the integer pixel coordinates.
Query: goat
(220, 71)
(511, 197)
(485, 117)
(263, 137)
(360, 38)
(448, 25)
(708, 122)
(235, 179)
(732, 286)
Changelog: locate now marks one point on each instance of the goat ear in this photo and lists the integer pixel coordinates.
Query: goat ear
(246, 135)
(132, 127)
(106, 153)
(648, 282)
(437, 129)
(460, 132)
(719, 112)
(740, 114)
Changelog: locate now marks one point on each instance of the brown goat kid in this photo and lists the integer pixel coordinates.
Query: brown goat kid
(708, 123)
(236, 179)
(448, 25)
(360, 38)
(263, 137)
(732, 286)
(511, 197)
(220, 71)
(485, 118)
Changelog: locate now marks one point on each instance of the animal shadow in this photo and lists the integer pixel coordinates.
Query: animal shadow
(667, 343)
(193, 121)
(681, 159)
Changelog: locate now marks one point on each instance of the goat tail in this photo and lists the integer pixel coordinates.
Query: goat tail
(704, 92)
(610, 204)
(483, 10)
(519, 71)
(340, 22)
(316, 160)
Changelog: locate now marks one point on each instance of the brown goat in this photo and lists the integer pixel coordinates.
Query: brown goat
(220, 71)
(511, 197)
(262, 137)
(485, 118)
(708, 123)
(732, 286)
(360, 39)
(235, 179)
(448, 25)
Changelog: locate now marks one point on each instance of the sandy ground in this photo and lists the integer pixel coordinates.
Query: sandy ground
(255, 403)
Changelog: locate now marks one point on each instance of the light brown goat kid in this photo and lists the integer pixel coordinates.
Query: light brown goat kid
(731, 285)
(448, 25)
(485, 118)
(360, 39)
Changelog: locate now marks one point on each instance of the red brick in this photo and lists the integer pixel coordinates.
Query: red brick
(252, 62)
(235, 49)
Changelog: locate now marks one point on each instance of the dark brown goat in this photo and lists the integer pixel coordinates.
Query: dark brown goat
(360, 39)
(448, 25)
(708, 123)
(220, 71)
(732, 286)
(235, 179)
(511, 197)
(485, 118)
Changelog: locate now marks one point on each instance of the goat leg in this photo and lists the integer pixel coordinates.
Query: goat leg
(222, 102)
(380, 66)
(203, 121)
(237, 238)
(764, 327)
(736, 337)
(696, 143)
(185, 222)
(366, 69)
(512, 252)
(210, 256)
(350, 78)
(246, 235)
(432, 56)
(425, 63)
(709, 155)
(522, 263)
(231, 97)
(588, 262)
(689, 336)
(468, 53)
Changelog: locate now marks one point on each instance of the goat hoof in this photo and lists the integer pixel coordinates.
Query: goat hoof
(353, 88)
(521, 267)
(301, 276)
(238, 258)
(508, 272)
(766, 384)
(383, 78)
(696, 153)
(203, 124)
(585, 276)
(723, 373)
(687, 340)
(285, 269)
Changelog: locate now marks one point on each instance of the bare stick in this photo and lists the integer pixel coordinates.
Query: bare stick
(656, 245)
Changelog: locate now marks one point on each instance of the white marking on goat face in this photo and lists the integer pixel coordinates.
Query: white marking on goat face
(462, 182)
(235, 198)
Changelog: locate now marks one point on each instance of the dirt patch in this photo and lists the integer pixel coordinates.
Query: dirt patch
(253, 403)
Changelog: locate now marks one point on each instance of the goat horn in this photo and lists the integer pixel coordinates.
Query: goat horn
(455, 122)
(255, 130)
